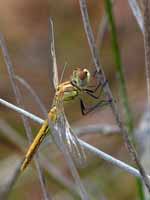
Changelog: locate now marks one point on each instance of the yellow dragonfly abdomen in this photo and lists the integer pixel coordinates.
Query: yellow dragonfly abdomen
(39, 138)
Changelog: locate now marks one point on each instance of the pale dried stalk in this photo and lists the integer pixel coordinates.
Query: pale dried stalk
(87, 146)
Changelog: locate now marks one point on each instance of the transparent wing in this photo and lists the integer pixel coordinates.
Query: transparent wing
(66, 143)
(75, 148)
(67, 136)
(53, 55)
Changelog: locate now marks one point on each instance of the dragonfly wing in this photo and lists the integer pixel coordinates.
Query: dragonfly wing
(70, 140)
(59, 132)
(53, 55)
(75, 147)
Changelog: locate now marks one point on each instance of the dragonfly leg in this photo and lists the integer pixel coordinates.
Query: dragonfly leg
(96, 88)
(91, 92)
(92, 95)
(82, 107)
(87, 110)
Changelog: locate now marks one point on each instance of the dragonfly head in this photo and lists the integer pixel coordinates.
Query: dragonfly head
(81, 77)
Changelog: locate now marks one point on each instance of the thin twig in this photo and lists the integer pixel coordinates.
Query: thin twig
(102, 129)
(21, 111)
(87, 146)
(108, 93)
(25, 121)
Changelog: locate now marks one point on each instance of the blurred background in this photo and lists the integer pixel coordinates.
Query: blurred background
(25, 27)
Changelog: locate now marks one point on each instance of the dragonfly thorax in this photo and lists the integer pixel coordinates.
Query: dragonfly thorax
(81, 78)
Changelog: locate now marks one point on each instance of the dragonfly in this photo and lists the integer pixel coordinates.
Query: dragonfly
(67, 91)
(64, 92)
